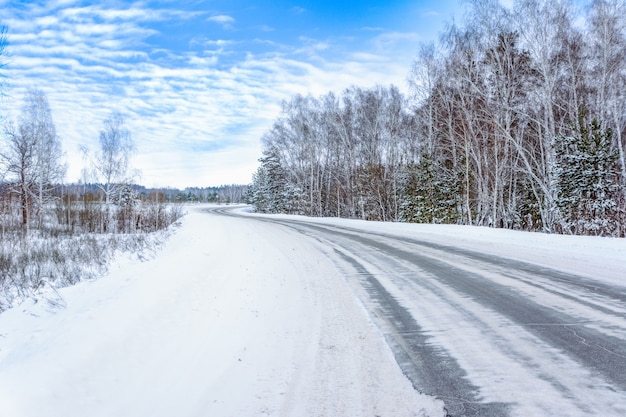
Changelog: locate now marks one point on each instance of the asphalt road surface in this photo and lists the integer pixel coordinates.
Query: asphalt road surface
(489, 336)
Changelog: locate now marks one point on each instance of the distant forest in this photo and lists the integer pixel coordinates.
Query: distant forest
(224, 194)
(516, 119)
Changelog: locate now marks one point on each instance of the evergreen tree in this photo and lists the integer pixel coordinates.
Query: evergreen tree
(257, 192)
(587, 180)
(276, 187)
(126, 196)
(270, 191)
(429, 195)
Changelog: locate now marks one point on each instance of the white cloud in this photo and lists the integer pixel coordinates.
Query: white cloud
(388, 39)
(224, 20)
(212, 42)
(311, 47)
(46, 21)
(507, 3)
(221, 19)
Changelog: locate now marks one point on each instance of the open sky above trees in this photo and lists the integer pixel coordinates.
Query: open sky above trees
(201, 81)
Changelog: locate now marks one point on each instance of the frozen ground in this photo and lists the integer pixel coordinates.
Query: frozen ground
(233, 317)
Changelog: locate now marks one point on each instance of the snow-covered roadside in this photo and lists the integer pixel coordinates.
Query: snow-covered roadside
(232, 318)
(598, 258)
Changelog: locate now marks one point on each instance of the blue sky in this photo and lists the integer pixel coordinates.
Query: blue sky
(201, 81)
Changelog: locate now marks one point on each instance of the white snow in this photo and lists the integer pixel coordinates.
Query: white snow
(231, 318)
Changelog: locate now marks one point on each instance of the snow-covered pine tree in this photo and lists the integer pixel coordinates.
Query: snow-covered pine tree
(269, 192)
(587, 179)
(257, 192)
(127, 200)
(429, 195)
(125, 196)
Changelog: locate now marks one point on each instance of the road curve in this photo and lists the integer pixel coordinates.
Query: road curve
(489, 336)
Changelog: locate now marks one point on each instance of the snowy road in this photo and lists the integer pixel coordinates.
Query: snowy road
(489, 335)
(249, 315)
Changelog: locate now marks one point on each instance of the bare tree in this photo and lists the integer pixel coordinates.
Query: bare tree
(18, 158)
(423, 79)
(607, 36)
(32, 154)
(36, 122)
(544, 26)
(110, 163)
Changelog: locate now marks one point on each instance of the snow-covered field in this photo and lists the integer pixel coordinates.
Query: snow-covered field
(231, 318)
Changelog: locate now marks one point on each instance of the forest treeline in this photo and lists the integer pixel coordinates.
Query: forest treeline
(515, 119)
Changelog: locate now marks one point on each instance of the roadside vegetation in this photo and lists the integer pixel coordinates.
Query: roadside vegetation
(54, 235)
(515, 119)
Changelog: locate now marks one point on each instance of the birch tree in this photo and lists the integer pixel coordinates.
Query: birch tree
(543, 26)
(110, 162)
(36, 121)
(607, 38)
(32, 155)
